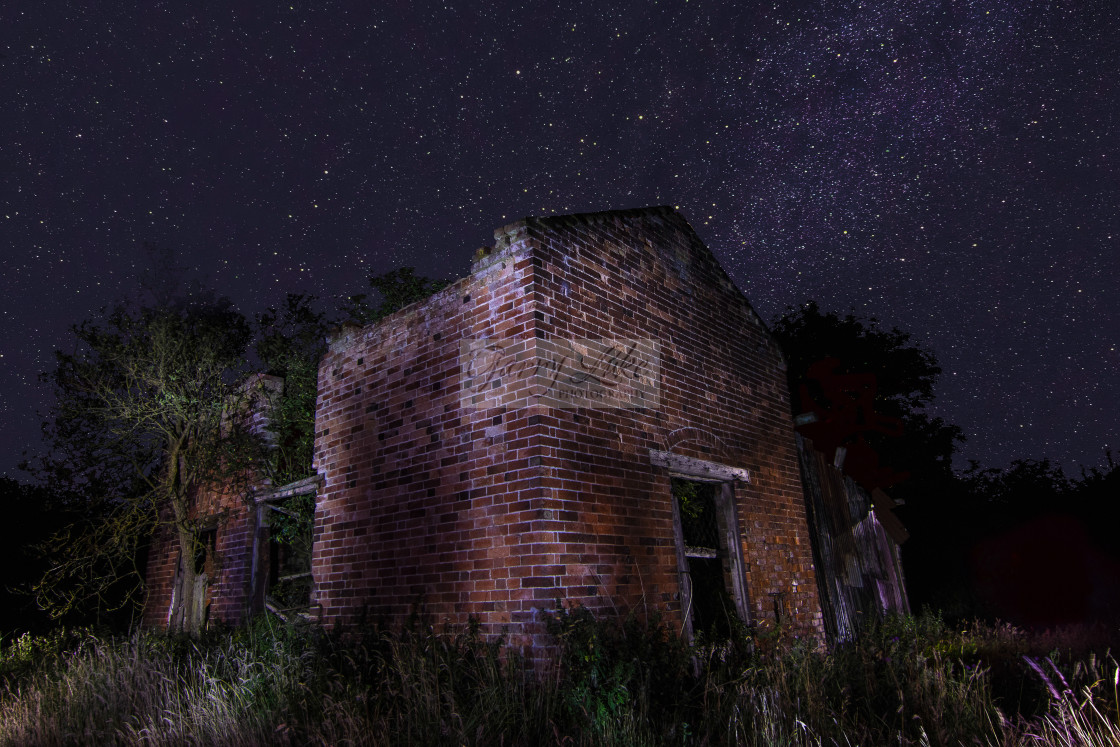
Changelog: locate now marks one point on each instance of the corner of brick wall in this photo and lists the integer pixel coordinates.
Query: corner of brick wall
(498, 513)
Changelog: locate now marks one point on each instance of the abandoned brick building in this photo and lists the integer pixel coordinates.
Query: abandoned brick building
(594, 416)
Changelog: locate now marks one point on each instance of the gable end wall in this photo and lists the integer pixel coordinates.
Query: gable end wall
(498, 513)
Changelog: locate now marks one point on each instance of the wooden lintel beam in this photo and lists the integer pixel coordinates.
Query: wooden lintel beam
(299, 487)
(697, 468)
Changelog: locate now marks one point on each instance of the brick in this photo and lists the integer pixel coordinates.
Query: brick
(515, 505)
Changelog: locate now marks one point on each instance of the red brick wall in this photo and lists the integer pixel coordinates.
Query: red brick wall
(160, 577)
(229, 567)
(423, 503)
(723, 399)
(499, 512)
(229, 509)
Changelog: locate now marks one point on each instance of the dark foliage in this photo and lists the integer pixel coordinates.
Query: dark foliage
(1026, 543)
(290, 342)
(900, 437)
(31, 517)
(393, 291)
(1042, 546)
(897, 375)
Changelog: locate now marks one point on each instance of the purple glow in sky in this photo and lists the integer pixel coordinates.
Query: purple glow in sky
(951, 168)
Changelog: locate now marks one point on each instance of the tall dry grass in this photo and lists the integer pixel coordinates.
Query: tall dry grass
(908, 681)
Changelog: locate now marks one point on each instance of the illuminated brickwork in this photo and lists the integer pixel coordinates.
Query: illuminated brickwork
(497, 512)
(230, 519)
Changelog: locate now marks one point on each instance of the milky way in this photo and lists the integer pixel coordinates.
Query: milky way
(949, 168)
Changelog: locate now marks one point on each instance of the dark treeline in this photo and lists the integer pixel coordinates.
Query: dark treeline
(1029, 544)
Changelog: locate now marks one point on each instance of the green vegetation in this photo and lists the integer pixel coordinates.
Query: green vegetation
(290, 341)
(150, 406)
(148, 410)
(909, 681)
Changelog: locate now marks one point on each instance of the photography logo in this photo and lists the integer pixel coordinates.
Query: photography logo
(564, 374)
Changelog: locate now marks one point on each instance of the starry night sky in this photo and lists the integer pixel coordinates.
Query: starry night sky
(951, 168)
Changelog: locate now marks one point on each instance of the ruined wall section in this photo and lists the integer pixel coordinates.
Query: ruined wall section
(159, 577)
(499, 511)
(228, 566)
(645, 274)
(228, 511)
(426, 506)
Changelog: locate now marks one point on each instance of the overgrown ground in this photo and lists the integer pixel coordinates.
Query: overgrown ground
(910, 681)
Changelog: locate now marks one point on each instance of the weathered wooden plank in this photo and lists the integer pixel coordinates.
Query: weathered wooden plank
(299, 487)
(697, 468)
(859, 571)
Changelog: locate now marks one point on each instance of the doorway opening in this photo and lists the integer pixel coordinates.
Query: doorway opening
(711, 559)
(282, 581)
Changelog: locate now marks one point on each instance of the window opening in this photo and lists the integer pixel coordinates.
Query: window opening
(709, 602)
(289, 579)
(282, 582)
(204, 551)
